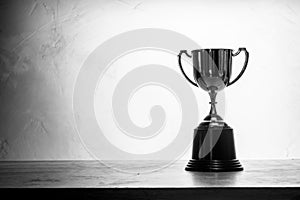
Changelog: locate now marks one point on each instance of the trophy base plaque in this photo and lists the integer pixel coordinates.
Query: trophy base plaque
(213, 149)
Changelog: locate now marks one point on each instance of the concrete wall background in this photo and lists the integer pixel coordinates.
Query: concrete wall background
(44, 44)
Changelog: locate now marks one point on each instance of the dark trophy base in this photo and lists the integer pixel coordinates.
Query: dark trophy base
(213, 150)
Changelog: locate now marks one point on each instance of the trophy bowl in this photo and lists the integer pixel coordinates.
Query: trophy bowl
(213, 143)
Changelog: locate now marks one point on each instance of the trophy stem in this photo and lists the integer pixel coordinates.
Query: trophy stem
(213, 95)
(213, 116)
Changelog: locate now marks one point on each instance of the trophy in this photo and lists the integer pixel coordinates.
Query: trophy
(213, 143)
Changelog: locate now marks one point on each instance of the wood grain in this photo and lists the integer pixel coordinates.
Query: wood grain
(93, 174)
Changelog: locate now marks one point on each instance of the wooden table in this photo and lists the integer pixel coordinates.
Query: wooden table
(261, 179)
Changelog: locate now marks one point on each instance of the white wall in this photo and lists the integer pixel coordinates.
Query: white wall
(45, 43)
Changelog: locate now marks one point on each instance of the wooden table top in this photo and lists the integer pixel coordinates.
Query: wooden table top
(57, 174)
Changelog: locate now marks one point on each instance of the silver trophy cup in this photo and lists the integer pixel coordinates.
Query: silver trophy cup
(212, 72)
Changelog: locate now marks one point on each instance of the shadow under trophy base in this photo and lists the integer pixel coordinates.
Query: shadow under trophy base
(213, 143)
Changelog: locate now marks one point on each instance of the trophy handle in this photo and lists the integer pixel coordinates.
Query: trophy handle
(245, 64)
(180, 66)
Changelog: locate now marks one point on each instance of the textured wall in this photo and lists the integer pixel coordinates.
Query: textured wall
(44, 43)
(37, 73)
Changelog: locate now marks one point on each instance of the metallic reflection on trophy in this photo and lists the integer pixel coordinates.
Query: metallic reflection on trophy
(213, 143)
